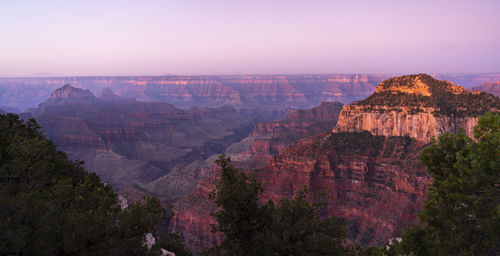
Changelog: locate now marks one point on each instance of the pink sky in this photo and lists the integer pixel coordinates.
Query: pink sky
(248, 37)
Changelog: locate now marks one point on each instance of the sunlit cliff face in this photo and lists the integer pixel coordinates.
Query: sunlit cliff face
(417, 106)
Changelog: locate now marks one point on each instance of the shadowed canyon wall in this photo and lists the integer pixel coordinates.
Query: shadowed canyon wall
(129, 142)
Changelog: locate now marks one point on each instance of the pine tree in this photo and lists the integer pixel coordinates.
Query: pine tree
(292, 227)
(461, 215)
(50, 205)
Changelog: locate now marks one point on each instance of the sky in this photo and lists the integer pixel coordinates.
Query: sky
(212, 37)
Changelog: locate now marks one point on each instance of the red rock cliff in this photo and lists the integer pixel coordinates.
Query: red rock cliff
(376, 183)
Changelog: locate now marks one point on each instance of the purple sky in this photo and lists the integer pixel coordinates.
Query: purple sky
(149, 37)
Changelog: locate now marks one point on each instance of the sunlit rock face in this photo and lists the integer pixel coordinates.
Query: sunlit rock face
(417, 106)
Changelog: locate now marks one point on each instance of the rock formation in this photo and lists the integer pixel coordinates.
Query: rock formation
(375, 183)
(418, 106)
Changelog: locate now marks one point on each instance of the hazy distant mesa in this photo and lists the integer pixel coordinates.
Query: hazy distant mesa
(247, 91)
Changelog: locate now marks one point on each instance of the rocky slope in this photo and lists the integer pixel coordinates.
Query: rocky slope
(376, 183)
(129, 142)
(418, 106)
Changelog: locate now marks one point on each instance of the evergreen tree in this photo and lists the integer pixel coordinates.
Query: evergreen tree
(461, 215)
(293, 227)
(50, 205)
(244, 223)
(299, 229)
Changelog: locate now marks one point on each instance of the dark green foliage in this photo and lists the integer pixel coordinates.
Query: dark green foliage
(298, 229)
(244, 223)
(362, 143)
(52, 206)
(461, 214)
(293, 227)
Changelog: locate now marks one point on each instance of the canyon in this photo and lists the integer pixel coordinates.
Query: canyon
(269, 92)
(192, 212)
(127, 142)
(161, 135)
(375, 180)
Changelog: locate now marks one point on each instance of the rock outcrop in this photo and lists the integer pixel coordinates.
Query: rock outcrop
(69, 92)
(418, 106)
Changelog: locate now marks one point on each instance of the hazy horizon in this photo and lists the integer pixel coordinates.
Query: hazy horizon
(154, 38)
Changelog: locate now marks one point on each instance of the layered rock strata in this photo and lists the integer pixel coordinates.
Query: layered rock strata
(417, 106)
(129, 142)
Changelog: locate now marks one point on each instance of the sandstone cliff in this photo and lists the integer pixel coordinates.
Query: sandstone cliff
(418, 106)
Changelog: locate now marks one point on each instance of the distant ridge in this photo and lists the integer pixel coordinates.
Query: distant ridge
(492, 87)
(70, 92)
